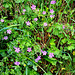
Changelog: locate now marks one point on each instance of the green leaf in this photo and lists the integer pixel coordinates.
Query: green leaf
(60, 62)
(49, 29)
(56, 32)
(64, 40)
(1, 63)
(73, 59)
(71, 41)
(28, 10)
(29, 63)
(49, 73)
(21, 46)
(52, 41)
(70, 47)
(12, 71)
(7, 5)
(51, 60)
(37, 48)
(26, 70)
(2, 50)
(65, 57)
(59, 26)
(38, 38)
(34, 67)
(27, 44)
(3, 54)
(65, 34)
(21, 20)
(19, 1)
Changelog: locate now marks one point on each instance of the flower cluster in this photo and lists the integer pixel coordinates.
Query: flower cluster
(51, 10)
(16, 50)
(8, 31)
(6, 37)
(33, 7)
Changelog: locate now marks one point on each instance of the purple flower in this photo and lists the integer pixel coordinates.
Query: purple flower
(17, 49)
(51, 55)
(35, 19)
(44, 52)
(9, 31)
(52, 16)
(43, 12)
(38, 58)
(14, 47)
(63, 27)
(45, 24)
(24, 10)
(51, 10)
(2, 20)
(29, 49)
(28, 23)
(33, 7)
(23, 13)
(5, 37)
(37, 9)
(17, 63)
(53, 2)
(41, 50)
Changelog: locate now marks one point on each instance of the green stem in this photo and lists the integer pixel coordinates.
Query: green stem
(48, 39)
(26, 71)
(13, 25)
(58, 42)
(9, 27)
(43, 34)
(36, 64)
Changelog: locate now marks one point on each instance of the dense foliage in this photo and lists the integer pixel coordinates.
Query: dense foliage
(37, 37)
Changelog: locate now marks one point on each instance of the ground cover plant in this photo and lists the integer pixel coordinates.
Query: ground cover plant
(37, 37)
